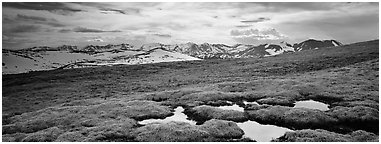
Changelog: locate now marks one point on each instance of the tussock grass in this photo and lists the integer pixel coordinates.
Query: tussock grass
(320, 135)
(171, 132)
(109, 121)
(294, 118)
(358, 117)
(46, 135)
(204, 113)
(222, 129)
(213, 130)
(277, 101)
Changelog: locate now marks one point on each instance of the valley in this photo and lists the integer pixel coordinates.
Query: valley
(113, 101)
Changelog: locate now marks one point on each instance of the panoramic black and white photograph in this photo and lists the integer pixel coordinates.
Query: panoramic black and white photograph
(190, 71)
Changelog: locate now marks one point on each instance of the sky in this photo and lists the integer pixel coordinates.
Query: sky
(53, 24)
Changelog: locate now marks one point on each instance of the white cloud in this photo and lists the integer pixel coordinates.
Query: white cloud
(95, 40)
(257, 36)
(207, 22)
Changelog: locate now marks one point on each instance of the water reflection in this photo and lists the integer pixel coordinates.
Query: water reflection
(246, 103)
(311, 104)
(262, 133)
(233, 107)
(178, 116)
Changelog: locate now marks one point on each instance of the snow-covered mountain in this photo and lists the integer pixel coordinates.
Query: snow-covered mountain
(21, 61)
(66, 56)
(315, 44)
(221, 51)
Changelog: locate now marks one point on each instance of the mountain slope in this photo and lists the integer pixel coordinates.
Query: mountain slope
(48, 59)
(66, 56)
(315, 44)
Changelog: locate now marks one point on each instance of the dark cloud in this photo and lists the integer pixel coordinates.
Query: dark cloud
(89, 30)
(108, 7)
(163, 35)
(24, 29)
(48, 6)
(35, 18)
(261, 19)
(64, 30)
(243, 26)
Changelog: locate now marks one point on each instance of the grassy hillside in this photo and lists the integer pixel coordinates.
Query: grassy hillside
(344, 77)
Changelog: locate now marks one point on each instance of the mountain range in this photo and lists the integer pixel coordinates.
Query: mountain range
(67, 56)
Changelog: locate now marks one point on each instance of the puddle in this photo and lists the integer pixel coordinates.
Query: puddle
(178, 116)
(262, 133)
(311, 104)
(246, 103)
(233, 107)
(252, 129)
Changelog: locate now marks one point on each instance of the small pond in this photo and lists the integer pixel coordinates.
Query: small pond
(262, 133)
(252, 129)
(246, 103)
(233, 107)
(311, 104)
(178, 116)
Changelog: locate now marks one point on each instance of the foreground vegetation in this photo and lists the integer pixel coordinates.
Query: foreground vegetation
(105, 103)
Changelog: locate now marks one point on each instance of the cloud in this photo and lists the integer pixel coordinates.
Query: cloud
(261, 19)
(108, 10)
(34, 18)
(55, 7)
(95, 40)
(39, 20)
(163, 35)
(251, 36)
(24, 29)
(64, 30)
(89, 30)
(243, 26)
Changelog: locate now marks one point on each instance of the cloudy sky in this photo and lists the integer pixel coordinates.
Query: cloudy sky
(52, 24)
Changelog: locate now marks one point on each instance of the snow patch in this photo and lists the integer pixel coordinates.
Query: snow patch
(335, 44)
